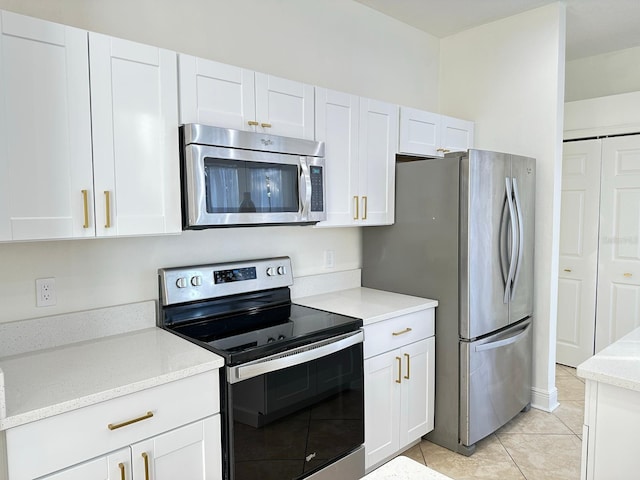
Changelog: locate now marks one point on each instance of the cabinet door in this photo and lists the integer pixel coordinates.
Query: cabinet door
(377, 155)
(578, 265)
(455, 135)
(45, 131)
(416, 410)
(618, 297)
(115, 466)
(134, 109)
(192, 451)
(382, 377)
(284, 107)
(216, 94)
(419, 132)
(337, 126)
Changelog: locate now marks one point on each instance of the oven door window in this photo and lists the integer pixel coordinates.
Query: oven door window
(290, 423)
(237, 186)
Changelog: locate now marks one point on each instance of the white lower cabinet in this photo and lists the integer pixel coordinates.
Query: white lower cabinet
(165, 432)
(186, 452)
(399, 384)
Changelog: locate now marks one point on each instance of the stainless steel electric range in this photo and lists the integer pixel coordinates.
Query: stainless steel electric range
(292, 393)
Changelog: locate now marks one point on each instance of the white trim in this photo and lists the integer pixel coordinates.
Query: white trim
(610, 115)
(545, 400)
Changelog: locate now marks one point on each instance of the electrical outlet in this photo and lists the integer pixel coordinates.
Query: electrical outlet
(329, 260)
(45, 292)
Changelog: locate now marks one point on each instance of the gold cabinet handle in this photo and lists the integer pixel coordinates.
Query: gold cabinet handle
(114, 426)
(107, 202)
(357, 205)
(85, 204)
(401, 332)
(443, 150)
(408, 375)
(568, 270)
(253, 123)
(146, 465)
(265, 125)
(121, 467)
(628, 275)
(364, 201)
(399, 380)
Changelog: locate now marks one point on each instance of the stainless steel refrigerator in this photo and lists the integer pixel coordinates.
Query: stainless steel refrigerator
(464, 235)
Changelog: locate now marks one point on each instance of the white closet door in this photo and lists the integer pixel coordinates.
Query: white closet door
(618, 301)
(578, 265)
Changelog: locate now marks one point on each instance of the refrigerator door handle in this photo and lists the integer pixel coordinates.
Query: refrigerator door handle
(520, 236)
(503, 342)
(514, 233)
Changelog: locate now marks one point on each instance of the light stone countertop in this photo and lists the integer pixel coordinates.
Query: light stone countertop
(403, 468)
(618, 364)
(368, 304)
(47, 382)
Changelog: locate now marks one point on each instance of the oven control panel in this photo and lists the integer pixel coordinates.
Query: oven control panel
(203, 282)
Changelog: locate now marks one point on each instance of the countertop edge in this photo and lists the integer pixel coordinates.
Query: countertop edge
(98, 397)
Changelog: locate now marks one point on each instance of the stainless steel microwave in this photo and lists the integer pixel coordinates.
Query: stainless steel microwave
(236, 178)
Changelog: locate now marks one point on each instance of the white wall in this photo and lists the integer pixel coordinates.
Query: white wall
(601, 75)
(509, 77)
(334, 43)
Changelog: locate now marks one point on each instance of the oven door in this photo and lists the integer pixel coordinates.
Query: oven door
(229, 186)
(297, 414)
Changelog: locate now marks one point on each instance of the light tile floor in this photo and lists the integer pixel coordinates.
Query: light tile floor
(533, 446)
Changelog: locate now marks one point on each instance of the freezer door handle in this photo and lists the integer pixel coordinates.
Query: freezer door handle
(516, 195)
(514, 245)
(501, 343)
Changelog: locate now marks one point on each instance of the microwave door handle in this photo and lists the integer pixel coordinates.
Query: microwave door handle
(305, 187)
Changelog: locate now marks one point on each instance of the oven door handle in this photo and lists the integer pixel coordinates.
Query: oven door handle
(296, 356)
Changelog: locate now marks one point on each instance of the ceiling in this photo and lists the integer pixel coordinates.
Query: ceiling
(593, 26)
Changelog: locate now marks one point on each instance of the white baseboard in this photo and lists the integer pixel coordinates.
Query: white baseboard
(546, 400)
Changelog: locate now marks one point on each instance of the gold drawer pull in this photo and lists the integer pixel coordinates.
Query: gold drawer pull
(107, 212)
(121, 467)
(628, 275)
(443, 150)
(568, 270)
(401, 332)
(253, 123)
(408, 375)
(357, 205)
(265, 125)
(114, 426)
(85, 204)
(364, 201)
(146, 465)
(399, 380)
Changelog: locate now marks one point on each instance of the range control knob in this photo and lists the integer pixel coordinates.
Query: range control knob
(271, 339)
(196, 281)
(281, 337)
(282, 270)
(271, 271)
(181, 282)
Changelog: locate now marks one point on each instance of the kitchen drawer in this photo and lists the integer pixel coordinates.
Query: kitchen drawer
(47, 445)
(389, 334)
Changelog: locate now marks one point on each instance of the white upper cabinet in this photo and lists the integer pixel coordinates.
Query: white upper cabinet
(223, 95)
(360, 138)
(432, 135)
(46, 179)
(377, 153)
(134, 109)
(82, 111)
